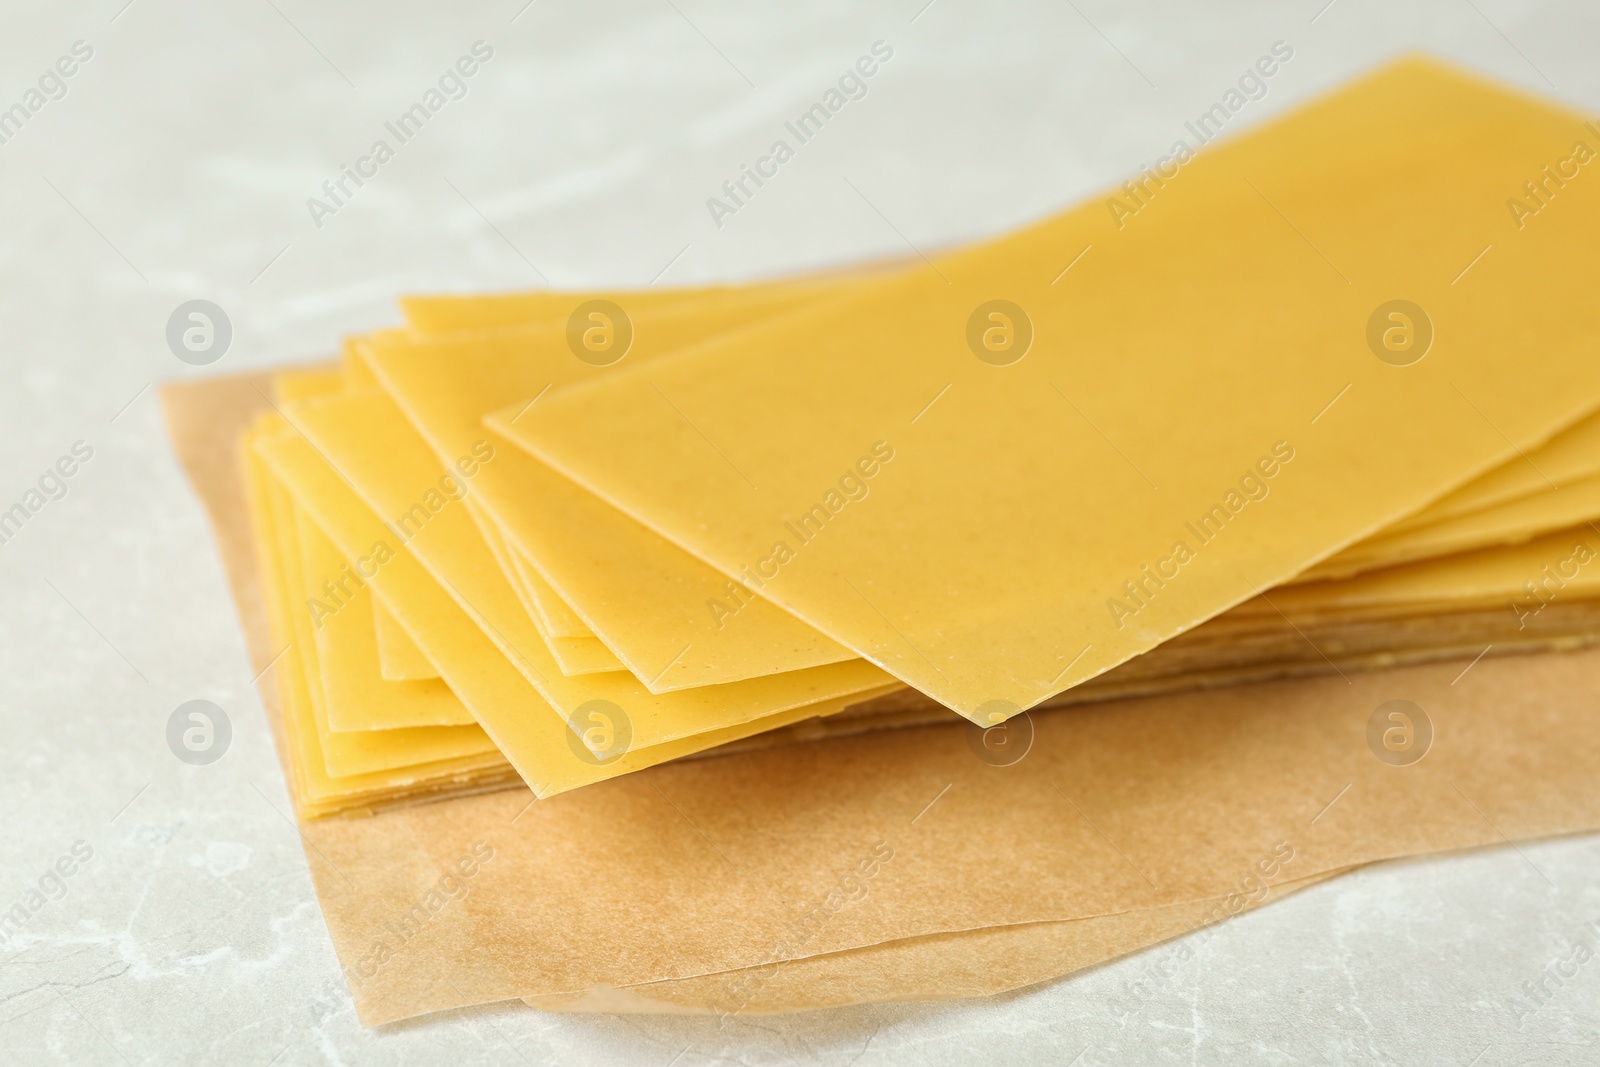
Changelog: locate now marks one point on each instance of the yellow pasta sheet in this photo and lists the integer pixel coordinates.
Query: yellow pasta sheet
(443, 314)
(448, 314)
(399, 658)
(379, 454)
(997, 501)
(314, 790)
(1474, 511)
(1560, 566)
(664, 614)
(574, 655)
(1569, 456)
(1505, 523)
(354, 689)
(1573, 455)
(557, 616)
(549, 753)
(356, 751)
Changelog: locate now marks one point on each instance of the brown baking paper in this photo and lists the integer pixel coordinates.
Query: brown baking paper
(971, 963)
(831, 847)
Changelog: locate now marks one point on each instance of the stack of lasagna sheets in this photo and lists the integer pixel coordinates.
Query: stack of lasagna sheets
(1268, 427)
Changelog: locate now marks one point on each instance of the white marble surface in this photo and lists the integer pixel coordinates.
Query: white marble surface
(177, 166)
